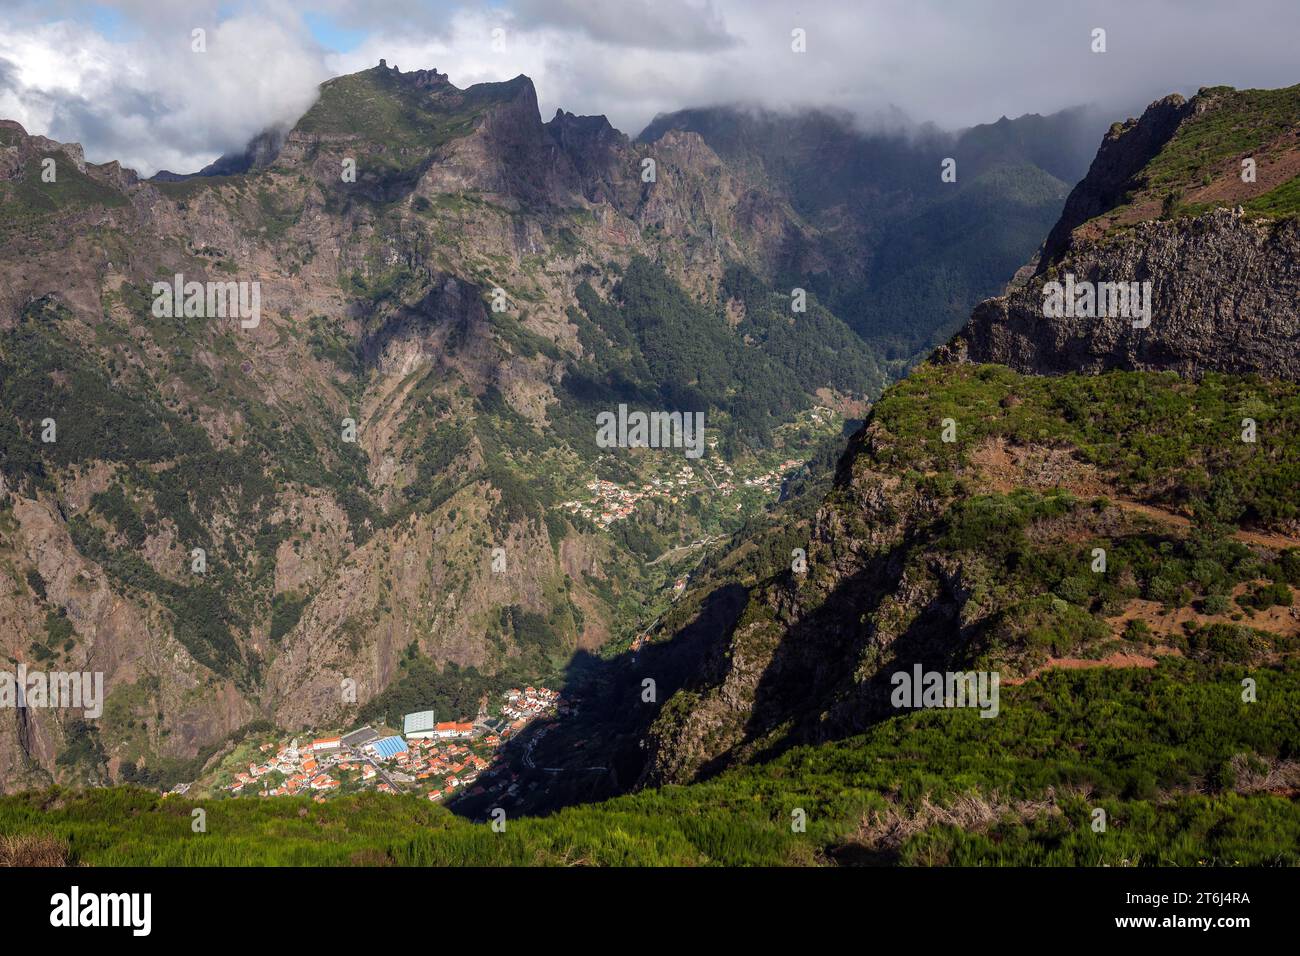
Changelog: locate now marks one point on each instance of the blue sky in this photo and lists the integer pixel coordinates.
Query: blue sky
(333, 35)
(119, 75)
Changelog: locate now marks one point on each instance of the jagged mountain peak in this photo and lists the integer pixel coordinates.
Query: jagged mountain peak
(420, 79)
(1170, 199)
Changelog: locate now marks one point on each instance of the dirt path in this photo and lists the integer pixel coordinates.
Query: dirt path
(701, 543)
(1169, 622)
(1004, 468)
(1265, 539)
(1117, 659)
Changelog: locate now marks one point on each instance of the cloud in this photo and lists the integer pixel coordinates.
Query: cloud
(118, 75)
(954, 64)
(649, 24)
(150, 99)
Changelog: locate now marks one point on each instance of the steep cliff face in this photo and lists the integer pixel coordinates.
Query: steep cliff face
(602, 156)
(1222, 292)
(963, 529)
(1116, 171)
(1195, 204)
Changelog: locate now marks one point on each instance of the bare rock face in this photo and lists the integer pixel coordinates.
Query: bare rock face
(1223, 294)
(1124, 153)
(1222, 283)
(603, 157)
(510, 155)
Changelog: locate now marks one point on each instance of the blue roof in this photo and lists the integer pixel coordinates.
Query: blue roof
(390, 746)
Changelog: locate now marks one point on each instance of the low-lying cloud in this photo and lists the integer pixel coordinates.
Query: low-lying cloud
(121, 78)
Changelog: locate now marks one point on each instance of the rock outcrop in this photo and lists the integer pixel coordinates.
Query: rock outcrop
(1223, 289)
(1222, 279)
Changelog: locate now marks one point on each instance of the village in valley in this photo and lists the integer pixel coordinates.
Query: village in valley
(449, 760)
(608, 502)
(438, 759)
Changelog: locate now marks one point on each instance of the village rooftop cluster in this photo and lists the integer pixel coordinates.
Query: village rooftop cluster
(610, 502)
(614, 502)
(431, 757)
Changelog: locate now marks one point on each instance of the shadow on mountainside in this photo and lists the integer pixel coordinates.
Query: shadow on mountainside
(808, 690)
(596, 753)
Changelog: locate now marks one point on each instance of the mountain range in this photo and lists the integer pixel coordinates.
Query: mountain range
(387, 474)
(468, 286)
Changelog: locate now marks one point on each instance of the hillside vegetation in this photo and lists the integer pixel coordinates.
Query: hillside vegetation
(1187, 774)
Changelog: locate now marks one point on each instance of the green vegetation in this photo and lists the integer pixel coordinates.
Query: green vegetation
(1209, 145)
(654, 347)
(1280, 202)
(203, 618)
(452, 692)
(28, 201)
(286, 609)
(1027, 556)
(42, 375)
(1139, 744)
(395, 127)
(1157, 435)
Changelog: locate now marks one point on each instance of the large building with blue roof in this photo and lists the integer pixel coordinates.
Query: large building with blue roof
(386, 747)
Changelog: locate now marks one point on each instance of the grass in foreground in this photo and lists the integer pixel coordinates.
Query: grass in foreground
(1181, 765)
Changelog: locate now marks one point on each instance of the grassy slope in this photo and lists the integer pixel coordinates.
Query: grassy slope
(1132, 742)
(1025, 547)
(1158, 436)
(1208, 147)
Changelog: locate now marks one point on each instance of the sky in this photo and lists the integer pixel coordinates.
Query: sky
(122, 77)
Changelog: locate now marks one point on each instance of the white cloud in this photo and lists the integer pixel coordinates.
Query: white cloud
(648, 24)
(150, 101)
(133, 91)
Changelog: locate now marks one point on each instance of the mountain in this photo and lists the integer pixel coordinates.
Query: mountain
(1103, 516)
(1118, 540)
(892, 239)
(386, 485)
(1167, 202)
(327, 560)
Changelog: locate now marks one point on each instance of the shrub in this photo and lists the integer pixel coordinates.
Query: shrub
(1137, 631)
(1216, 604)
(33, 849)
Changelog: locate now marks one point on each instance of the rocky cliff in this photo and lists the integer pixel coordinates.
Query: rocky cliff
(1195, 203)
(1222, 290)
(962, 527)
